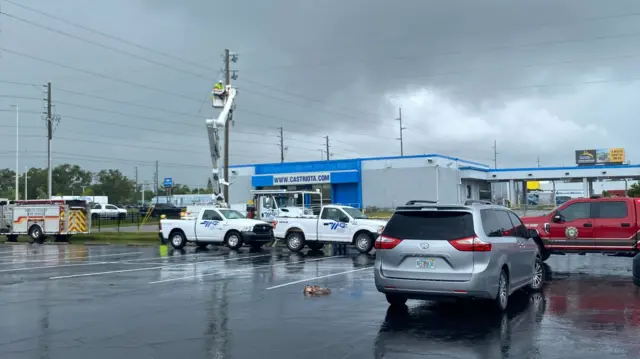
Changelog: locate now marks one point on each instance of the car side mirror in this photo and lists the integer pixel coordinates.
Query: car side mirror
(531, 233)
(557, 218)
(344, 219)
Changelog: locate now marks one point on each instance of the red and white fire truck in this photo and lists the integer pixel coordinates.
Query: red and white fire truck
(42, 218)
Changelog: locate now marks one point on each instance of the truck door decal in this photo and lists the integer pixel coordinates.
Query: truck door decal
(338, 226)
(210, 224)
(571, 232)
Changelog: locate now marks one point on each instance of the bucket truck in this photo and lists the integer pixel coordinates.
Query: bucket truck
(225, 101)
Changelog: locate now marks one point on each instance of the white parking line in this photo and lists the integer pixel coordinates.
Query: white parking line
(97, 263)
(239, 269)
(320, 277)
(60, 266)
(42, 254)
(69, 259)
(151, 268)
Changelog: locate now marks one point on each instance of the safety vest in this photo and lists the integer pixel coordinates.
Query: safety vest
(218, 86)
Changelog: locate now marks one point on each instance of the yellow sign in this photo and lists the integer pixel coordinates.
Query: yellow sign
(533, 185)
(616, 155)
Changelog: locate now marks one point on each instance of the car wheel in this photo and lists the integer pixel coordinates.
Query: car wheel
(538, 275)
(315, 246)
(35, 232)
(502, 298)
(396, 299)
(295, 241)
(233, 240)
(178, 241)
(364, 242)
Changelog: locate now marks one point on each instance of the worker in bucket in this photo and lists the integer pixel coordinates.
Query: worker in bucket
(218, 89)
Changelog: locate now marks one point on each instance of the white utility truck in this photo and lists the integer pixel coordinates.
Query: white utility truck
(216, 225)
(335, 224)
(42, 218)
(270, 204)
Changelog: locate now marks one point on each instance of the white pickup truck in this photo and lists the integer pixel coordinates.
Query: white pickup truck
(336, 224)
(216, 225)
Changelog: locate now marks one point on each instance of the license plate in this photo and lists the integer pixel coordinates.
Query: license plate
(428, 263)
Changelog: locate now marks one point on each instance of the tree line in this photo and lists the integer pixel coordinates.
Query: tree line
(72, 180)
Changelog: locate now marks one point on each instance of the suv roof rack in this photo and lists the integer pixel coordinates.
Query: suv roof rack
(417, 201)
(476, 201)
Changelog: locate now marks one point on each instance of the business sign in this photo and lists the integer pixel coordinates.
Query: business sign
(168, 182)
(604, 156)
(301, 178)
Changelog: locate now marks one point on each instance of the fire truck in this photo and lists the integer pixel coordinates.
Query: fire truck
(40, 219)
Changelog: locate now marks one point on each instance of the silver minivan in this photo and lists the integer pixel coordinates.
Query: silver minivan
(430, 251)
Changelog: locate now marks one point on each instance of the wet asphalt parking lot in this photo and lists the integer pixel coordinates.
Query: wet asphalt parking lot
(77, 302)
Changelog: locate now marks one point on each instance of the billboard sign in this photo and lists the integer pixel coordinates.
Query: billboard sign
(603, 156)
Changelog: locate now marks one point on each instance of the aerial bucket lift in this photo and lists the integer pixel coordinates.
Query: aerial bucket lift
(220, 99)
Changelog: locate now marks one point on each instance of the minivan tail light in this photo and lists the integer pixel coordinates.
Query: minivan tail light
(470, 244)
(384, 242)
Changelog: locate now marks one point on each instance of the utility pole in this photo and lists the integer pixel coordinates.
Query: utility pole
(495, 154)
(137, 189)
(401, 130)
(144, 187)
(26, 172)
(17, 152)
(227, 70)
(157, 184)
(281, 145)
(49, 138)
(327, 138)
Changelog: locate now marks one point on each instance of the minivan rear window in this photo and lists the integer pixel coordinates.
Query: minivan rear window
(430, 225)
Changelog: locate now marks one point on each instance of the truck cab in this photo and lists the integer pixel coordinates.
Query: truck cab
(589, 225)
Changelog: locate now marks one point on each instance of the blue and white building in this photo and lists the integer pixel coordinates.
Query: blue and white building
(386, 182)
(382, 182)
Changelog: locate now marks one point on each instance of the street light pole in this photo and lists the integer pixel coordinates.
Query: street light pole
(17, 151)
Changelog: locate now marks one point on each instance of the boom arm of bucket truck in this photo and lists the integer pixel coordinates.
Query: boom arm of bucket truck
(213, 127)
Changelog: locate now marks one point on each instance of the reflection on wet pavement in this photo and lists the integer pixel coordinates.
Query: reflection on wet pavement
(75, 302)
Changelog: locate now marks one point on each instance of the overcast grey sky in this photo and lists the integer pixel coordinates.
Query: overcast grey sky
(542, 78)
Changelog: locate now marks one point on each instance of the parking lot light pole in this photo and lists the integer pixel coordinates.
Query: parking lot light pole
(17, 151)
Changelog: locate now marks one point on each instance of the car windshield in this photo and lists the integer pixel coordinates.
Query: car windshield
(232, 214)
(354, 213)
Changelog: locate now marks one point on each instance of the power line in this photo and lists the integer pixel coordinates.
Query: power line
(104, 46)
(524, 26)
(20, 97)
(99, 75)
(465, 52)
(113, 37)
(130, 103)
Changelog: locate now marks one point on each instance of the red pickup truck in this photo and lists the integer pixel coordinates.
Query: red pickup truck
(583, 225)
